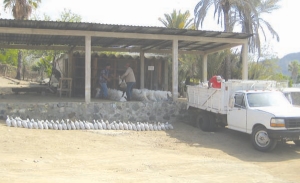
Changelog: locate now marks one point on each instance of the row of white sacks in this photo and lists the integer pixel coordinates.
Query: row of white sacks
(138, 95)
(85, 125)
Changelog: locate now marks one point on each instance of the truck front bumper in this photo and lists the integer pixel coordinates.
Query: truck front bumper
(284, 134)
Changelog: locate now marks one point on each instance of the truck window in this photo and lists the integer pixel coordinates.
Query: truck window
(266, 99)
(239, 100)
(289, 97)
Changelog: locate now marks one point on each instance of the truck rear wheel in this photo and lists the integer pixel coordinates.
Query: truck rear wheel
(203, 122)
(297, 142)
(261, 141)
(212, 122)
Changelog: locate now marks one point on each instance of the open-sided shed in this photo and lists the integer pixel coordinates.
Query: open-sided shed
(50, 35)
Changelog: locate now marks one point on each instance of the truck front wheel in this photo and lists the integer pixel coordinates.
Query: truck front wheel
(297, 142)
(261, 141)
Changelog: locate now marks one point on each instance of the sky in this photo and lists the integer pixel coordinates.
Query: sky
(146, 13)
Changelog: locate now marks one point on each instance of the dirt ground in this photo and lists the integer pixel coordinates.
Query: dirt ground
(185, 154)
(6, 94)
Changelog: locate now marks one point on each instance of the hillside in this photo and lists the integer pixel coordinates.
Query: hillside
(284, 62)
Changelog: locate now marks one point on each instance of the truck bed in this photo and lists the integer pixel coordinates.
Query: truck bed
(216, 100)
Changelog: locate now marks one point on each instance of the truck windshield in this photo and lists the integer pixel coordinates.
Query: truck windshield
(266, 99)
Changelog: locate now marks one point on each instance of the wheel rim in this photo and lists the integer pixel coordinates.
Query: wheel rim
(262, 139)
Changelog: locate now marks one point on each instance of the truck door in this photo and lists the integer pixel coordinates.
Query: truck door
(237, 115)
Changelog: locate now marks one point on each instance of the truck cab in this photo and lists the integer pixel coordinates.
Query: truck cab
(266, 115)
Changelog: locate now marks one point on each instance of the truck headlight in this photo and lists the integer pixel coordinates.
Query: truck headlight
(275, 122)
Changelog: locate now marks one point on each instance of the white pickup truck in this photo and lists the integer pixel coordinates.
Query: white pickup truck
(253, 107)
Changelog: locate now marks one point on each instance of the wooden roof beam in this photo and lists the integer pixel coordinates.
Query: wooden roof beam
(220, 48)
(200, 46)
(155, 45)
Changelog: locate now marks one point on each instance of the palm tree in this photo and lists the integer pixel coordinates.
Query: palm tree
(21, 10)
(246, 13)
(224, 10)
(178, 20)
(253, 23)
(294, 68)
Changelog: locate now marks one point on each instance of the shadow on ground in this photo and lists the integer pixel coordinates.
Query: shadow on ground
(233, 143)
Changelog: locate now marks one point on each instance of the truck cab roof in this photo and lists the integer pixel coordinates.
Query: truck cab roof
(256, 91)
(290, 90)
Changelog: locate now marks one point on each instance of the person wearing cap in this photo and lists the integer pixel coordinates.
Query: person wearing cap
(215, 82)
(130, 81)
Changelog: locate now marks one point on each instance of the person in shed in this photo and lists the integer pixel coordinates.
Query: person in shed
(103, 79)
(130, 81)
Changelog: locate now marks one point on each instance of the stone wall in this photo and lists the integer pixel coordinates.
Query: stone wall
(126, 111)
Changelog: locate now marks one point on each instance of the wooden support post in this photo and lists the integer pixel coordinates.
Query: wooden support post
(175, 69)
(245, 61)
(88, 69)
(166, 75)
(204, 68)
(142, 69)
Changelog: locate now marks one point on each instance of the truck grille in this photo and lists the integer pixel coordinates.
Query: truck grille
(292, 123)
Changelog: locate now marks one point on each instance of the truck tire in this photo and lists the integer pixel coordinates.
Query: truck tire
(203, 122)
(297, 142)
(212, 122)
(261, 141)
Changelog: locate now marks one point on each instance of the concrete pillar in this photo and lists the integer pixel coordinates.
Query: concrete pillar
(88, 45)
(204, 68)
(245, 62)
(142, 69)
(175, 69)
(166, 75)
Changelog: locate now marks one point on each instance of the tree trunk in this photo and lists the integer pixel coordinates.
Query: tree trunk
(227, 67)
(5, 69)
(226, 8)
(24, 72)
(19, 68)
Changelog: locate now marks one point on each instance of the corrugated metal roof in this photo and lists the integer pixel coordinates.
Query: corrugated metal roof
(110, 42)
